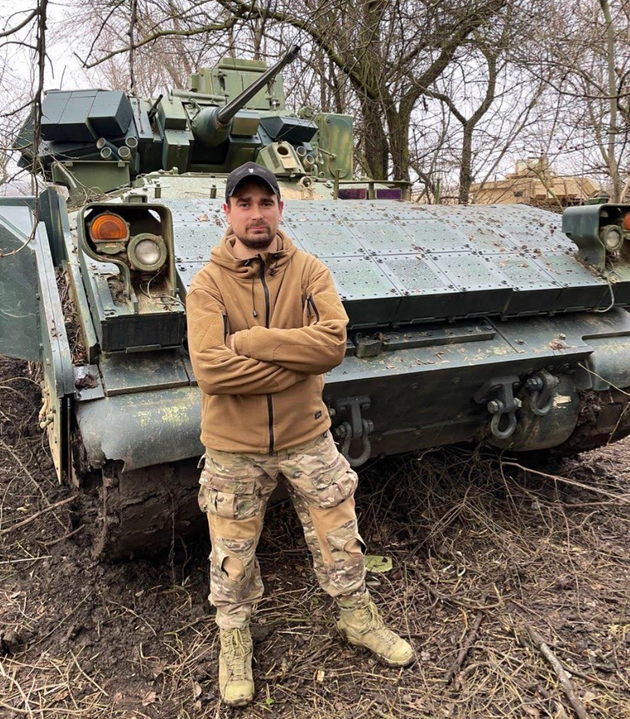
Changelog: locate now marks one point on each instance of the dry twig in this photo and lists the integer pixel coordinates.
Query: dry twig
(463, 652)
(563, 677)
(33, 517)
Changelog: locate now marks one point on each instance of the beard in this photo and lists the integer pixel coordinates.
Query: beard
(258, 240)
(258, 244)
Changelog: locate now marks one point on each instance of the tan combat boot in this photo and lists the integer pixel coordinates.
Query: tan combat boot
(364, 627)
(236, 682)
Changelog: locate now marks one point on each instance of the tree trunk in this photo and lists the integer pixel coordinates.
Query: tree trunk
(374, 139)
(465, 166)
(613, 93)
(398, 126)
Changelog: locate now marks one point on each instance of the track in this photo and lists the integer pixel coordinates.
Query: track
(604, 417)
(144, 512)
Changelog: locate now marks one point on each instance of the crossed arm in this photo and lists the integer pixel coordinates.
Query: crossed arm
(313, 349)
(217, 368)
(265, 361)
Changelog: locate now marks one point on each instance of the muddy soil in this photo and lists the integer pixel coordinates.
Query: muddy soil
(474, 542)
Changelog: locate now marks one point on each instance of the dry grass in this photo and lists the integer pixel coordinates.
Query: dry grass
(471, 540)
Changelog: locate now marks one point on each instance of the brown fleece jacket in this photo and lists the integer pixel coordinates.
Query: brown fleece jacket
(289, 328)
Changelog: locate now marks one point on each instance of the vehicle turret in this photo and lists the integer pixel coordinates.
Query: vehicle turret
(212, 125)
(97, 141)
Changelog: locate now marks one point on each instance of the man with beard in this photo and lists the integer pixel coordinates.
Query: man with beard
(264, 324)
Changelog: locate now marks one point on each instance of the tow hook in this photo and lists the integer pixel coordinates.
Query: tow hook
(356, 428)
(502, 405)
(541, 386)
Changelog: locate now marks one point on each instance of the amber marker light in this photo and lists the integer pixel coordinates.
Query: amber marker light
(626, 222)
(109, 227)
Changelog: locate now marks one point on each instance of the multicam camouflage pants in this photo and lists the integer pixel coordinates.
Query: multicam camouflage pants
(235, 489)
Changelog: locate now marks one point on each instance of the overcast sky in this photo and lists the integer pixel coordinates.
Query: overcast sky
(62, 66)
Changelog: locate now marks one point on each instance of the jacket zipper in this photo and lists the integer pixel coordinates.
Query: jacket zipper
(270, 410)
(265, 288)
(267, 313)
(311, 302)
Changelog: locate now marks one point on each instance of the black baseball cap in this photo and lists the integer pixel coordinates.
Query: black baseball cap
(246, 172)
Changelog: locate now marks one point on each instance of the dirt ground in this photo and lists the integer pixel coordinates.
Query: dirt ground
(484, 556)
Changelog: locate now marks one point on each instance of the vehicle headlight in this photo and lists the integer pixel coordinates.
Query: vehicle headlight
(612, 237)
(146, 252)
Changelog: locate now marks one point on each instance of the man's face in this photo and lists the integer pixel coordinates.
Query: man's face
(254, 212)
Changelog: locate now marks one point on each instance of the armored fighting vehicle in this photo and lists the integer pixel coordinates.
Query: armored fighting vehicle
(500, 324)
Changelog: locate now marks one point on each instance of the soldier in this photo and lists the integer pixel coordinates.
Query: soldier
(264, 324)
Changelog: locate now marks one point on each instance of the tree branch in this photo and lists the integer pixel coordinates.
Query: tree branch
(318, 38)
(19, 26)
(159, 34)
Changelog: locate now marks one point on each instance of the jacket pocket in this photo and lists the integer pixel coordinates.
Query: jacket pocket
(226, 327)
(313, 308)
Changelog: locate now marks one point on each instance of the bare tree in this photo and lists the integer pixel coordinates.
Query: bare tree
(472, 122)
(391, 51)
(386, 52)
(443, 94)
(22, 70)
(584, 60)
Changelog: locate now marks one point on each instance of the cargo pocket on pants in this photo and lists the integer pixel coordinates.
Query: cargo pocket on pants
(227, 498)
(335, 488)
(323, 475)
(342, 538)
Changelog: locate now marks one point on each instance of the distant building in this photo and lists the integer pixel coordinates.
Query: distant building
(534, 183)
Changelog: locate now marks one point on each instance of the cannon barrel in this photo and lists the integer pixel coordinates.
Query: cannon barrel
(226, 114)
(212, 125)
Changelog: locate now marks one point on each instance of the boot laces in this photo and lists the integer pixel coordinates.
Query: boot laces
(374, 624)
(237, 653)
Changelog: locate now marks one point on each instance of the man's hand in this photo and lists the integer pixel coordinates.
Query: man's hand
(229, 342)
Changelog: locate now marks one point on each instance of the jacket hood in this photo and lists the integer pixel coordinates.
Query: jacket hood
(223, 255)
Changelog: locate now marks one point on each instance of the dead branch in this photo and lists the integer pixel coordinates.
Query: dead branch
(35, 516)
(563, 677)
(560, 711)
(202, 29)
(132, 24)
(449, 598)
(621, 498)
(463, 652)
(19, 26)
